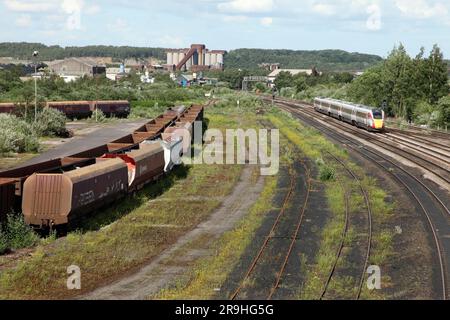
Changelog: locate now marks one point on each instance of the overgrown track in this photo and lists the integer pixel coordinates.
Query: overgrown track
(344, 233)
(434, 210)
(271, 233)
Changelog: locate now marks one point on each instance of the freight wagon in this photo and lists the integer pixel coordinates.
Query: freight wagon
(79, 109)
(54, 192)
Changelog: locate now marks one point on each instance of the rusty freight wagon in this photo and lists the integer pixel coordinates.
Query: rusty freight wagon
(72, 109)
(55, 199)
(144, 165)
(119, 108)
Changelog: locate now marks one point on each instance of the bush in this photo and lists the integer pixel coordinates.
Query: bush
(98, 116)
(3, 242)
(16, 135)
(326, 173)
(50, 122)
(19, 234)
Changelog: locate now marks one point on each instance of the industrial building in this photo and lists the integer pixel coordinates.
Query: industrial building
(197, 58)
(73, 68)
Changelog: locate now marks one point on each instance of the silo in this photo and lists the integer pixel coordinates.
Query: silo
(213, 59)
(220, 58)
(170, 58)
(208, 59)
(176, 58)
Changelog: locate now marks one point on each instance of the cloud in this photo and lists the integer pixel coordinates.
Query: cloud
(421, 9)
(246, 6)
(72, 6)
(373, 23)
(118, 24)
(23, 21)
(324, 9)
(267, 21)
(30, 5)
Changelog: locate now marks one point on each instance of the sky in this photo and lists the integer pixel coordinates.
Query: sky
(368, 26)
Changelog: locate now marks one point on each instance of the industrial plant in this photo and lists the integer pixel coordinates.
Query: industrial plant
(197, 58)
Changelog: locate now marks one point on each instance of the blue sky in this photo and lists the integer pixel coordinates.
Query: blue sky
(371, 26)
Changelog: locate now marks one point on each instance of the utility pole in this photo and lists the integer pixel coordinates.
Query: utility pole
(35, 55)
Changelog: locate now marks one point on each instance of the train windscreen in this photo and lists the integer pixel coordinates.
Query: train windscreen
(377, 114)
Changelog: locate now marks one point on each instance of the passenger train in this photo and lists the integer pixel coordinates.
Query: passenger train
(362, 116)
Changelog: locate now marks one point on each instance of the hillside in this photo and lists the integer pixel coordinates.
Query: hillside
(23, 50)
(325, 60)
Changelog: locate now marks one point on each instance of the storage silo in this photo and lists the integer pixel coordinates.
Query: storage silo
(170, 58)
(207, 59)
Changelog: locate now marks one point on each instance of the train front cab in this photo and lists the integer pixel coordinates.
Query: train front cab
(376, 122)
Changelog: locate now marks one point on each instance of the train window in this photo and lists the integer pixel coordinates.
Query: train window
(377, 114)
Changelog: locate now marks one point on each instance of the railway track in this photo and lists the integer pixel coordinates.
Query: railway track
(345, 230)
(434, 210)
(434, 164)
(293, 237)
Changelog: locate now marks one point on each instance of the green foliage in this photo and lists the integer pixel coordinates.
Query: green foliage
(50, 122)
(18, 234)
(16, 135)
(3, 242)
(326, 172)
(98, 116)
(444, 111)
(23, 50)
(405, 84)
(284, 80)
(324, 60)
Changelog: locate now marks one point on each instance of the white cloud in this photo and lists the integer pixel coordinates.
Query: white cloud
(324, 9)
(246, 6)
(421, 9)
(30, 5)
(23, 21)
(72, 6)
(267, 21)
(373, 23)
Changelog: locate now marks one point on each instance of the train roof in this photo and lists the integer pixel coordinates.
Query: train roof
(336, 101)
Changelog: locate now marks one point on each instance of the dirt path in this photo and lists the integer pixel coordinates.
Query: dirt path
(178, 259)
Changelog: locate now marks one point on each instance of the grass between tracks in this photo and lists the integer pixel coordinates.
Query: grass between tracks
(315, 146)
(143, 227)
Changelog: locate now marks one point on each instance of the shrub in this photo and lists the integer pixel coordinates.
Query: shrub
(50, 122)
(19, 234)
(3, 242)
(16, 135)
(326, 173)
(98, 116)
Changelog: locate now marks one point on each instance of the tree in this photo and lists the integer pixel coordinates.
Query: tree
(436, 76)
(284, 80)
(368, 88)
(444, 111)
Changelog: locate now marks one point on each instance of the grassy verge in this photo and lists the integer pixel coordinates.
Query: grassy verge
(143, 227)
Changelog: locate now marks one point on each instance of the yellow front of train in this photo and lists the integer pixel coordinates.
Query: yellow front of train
(378, 120)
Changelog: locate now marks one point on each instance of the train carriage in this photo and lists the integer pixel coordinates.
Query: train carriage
(359, 115)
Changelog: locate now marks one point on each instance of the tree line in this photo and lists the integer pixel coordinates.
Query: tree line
(408, 87)
(24, 50)
(324, 60)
